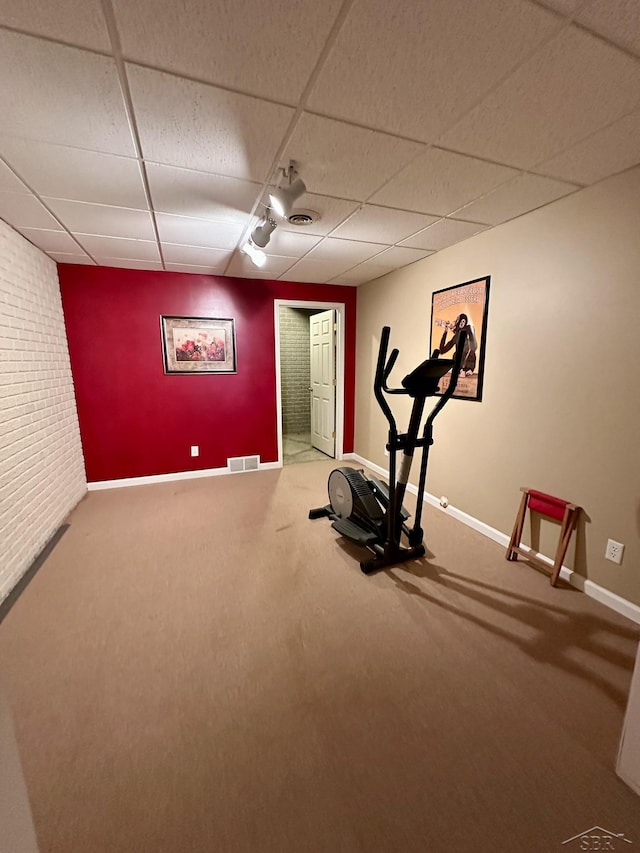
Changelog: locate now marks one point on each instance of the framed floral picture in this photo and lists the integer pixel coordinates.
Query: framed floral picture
(198, 345)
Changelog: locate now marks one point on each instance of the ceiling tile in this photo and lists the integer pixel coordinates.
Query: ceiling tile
(292, 244)
(128, 263)
(23, 210)
(103, 219)
(318, 271)
(67, 258)
(200, 195)
(444, 233)
(341, 160)
(400, 256)
(524, 193)
(198, 232)
(118, 247)
(382, 224)
(332, 211)
(78, 22)
(618, 20)
(280, 41)
(198, 255)
(440, 182)
(8, 181)
(194, 269)
(59, 171)
(61, 94)
(274, 266)
(359, 275)
(413, 68)
(367, 271)
(183, 123)
(607, 152)
(350, 252)
(51, 241)
(572, 87)
(338, 281)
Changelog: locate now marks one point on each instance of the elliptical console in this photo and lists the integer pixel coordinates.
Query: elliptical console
(365, 509)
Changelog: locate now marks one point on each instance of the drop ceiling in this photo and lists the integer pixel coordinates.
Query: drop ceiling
(146, 134)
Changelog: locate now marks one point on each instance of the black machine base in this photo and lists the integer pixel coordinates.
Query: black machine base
(321, 512)
(392, 558)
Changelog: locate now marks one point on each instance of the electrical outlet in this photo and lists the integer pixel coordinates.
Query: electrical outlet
(614, 551)
(195, 450)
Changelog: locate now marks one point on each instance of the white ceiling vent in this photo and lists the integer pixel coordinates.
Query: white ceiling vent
(303, 217)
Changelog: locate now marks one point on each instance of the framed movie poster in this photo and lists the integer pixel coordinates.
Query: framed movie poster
(451, 310)
(198, 345)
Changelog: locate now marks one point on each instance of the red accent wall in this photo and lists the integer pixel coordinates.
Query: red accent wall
(135, 420)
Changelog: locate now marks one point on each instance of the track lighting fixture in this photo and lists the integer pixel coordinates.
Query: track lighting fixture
(260, 237)
(283, 198)
(281, 201)
(261, 234)
(257, 255)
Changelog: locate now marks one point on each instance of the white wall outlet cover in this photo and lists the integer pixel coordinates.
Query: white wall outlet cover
(614, 551)
(195, 450)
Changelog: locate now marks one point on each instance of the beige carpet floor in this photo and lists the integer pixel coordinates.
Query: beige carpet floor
(198, 667)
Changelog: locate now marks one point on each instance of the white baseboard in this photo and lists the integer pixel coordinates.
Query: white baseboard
(168, 478)
(593, 590)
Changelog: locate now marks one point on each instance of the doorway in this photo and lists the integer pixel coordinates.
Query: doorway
(309, 378)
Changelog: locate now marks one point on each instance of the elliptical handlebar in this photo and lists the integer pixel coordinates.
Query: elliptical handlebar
(384, 366)
(455, 373)
(392, 360)
(383, 369)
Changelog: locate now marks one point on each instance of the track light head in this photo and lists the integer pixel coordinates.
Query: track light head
(283, 198)
(254, 253)
(261, 234)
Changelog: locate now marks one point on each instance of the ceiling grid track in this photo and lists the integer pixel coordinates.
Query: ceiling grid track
(114, 36)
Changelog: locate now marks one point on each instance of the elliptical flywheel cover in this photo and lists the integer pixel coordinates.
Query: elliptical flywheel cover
(340, 495)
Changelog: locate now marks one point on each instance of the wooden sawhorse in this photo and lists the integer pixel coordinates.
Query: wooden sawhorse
(550, 507)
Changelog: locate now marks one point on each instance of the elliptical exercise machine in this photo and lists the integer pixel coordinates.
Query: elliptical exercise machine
(368, 511)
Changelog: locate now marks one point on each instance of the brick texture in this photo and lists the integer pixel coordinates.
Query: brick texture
(295, 369)
(42, 474)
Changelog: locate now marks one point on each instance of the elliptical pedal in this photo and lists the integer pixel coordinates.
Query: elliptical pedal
(355, 532)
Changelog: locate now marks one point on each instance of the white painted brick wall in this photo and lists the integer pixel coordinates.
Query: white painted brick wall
(295, 369)
(42, 474)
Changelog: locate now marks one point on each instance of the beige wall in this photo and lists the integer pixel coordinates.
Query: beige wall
(561, 406)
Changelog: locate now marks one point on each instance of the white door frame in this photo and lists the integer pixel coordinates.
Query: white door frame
(340, 309)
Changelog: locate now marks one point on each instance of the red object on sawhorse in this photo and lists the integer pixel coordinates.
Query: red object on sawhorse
(550, 507)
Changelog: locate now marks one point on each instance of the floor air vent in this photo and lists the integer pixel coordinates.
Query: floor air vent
(243, 463)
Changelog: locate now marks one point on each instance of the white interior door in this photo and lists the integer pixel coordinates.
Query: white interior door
(323, 381)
